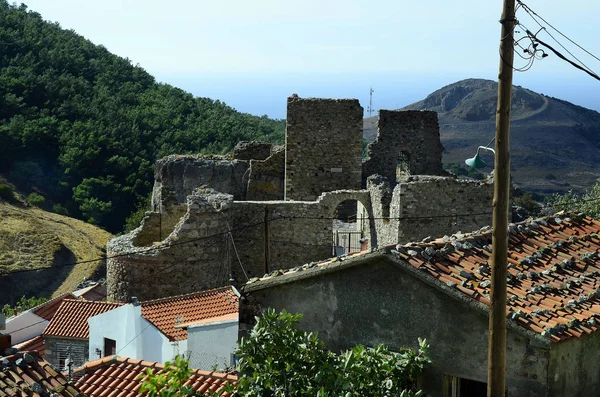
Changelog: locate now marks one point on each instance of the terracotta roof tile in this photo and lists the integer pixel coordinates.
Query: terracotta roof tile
(47, 309)
(119, 377)
(71, 318)
(554, 272)
(553, 284)
(27, 374)
(36, 344)
(167, 313)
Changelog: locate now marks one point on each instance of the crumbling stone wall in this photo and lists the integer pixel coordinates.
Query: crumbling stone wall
(408, 143)
(436, 206)
(266, 178)
(323, 146)
(252, 150)
(175, 177)
(200, 254)
(192, 258)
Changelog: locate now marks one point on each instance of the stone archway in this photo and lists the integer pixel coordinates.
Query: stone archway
(362, 220)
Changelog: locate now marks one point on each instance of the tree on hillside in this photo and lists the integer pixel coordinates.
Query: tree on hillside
(72, 112)
(280, 360)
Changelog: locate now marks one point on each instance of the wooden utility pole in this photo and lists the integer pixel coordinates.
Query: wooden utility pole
(497, 324)
(267, 254)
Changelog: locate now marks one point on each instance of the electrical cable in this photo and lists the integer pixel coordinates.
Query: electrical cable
(528, 9)
(561, 56)
(280, 217)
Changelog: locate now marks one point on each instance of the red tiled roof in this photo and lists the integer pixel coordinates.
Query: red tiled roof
(553, 281)
(553, 284)
(167, 313)
(47, 309)
(118, 377)
(26, 374)
(71, 318)
(36, 344)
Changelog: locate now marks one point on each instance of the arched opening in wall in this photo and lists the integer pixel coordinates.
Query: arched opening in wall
(402, 166)
(350, 228)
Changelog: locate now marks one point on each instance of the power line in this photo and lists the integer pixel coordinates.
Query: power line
(533, 50)
(280, 217)
(134, 338)
(137, 252)
(561, 56)
(530, 11)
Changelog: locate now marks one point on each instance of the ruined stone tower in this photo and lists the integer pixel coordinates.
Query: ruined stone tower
(323, 146)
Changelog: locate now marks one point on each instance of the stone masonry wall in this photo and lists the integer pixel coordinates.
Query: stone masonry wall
(175, 177)
(405, 136)
(192, 258)
(199, 254)
(437, 206)
(252, 150)
(266, 178)
(323, 146)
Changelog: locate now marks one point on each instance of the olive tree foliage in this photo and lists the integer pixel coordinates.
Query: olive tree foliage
(280, 360)
(587, 203)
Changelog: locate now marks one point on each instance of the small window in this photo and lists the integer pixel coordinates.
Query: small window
(110, 347)
(461, 387)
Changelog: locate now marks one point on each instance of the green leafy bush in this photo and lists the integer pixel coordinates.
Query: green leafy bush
(587, 203)
(279, 360)
(60, 210)
(22, 305)
(6, 192)
(36, 199)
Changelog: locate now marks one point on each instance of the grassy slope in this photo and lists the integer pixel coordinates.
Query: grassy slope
(31, 238)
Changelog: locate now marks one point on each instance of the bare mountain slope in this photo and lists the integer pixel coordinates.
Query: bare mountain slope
(555, 145)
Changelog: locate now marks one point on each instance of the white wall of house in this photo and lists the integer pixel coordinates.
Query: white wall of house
(135, 337)
(24, 326)
(212, 344)
(121, 325)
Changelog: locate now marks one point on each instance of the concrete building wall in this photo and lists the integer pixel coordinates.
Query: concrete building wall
(212, 344)
(381, 303)
(135, 336)
(121, 325)
(323, 146)
(408, 142)
(24, 326)
(573, 368)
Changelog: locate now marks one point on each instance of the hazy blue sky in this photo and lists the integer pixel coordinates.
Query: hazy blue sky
(252, 54)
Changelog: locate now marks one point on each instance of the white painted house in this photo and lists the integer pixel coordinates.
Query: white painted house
(31, 323)
(211, 342)
(157, 330)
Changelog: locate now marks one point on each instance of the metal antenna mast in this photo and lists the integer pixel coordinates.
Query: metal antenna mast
(370, 110)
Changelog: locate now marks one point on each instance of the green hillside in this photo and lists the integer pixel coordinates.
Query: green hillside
(84, 127)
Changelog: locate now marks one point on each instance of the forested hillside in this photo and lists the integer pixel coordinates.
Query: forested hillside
(83, 127)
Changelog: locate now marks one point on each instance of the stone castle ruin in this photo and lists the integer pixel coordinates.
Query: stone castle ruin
(222, 219)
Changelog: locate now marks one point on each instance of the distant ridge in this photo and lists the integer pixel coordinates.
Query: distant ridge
(555, 145)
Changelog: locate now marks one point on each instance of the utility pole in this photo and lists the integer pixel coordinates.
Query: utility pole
(267, 254)
(497, 323)
(371, 91)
